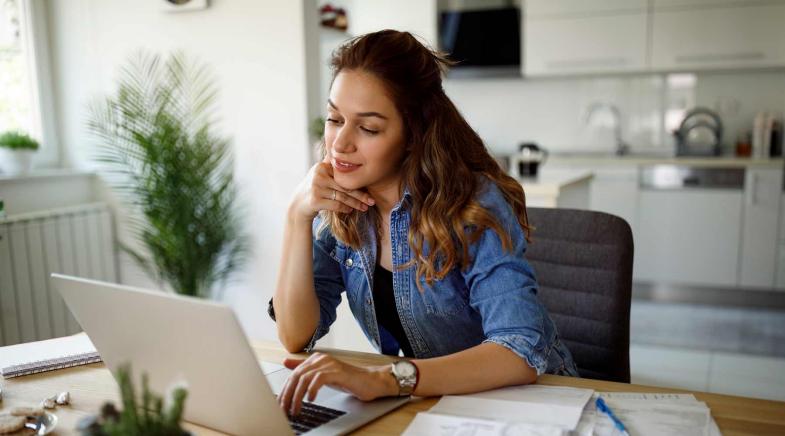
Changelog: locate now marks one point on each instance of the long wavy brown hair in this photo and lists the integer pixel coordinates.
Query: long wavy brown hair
(443, 159)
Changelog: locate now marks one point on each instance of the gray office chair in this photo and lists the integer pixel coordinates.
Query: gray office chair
(583, 262)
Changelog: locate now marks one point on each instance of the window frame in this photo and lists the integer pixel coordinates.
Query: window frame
(35, 49)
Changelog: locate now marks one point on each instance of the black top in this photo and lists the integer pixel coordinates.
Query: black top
(386, 310)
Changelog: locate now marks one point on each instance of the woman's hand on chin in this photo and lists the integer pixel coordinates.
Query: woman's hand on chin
(318, 370)
(319, 191)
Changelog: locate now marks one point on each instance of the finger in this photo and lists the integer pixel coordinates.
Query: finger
(283, 394)
(328, 187)
(362, 196)
(326, 166)
(346, 199)
(285, 398)
(292, 363)
(325, 178)
(317, 382)
(300, 390)
(323, 200)
(298, 367)
(354, 193)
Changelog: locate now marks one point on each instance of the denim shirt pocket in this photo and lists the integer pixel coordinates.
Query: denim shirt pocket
(447, 297)
(353, 273)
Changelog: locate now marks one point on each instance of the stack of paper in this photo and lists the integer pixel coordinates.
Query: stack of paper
(515, 410)
(552, 411)
(648, 414)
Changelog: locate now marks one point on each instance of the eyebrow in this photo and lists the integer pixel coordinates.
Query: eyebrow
(359, 114)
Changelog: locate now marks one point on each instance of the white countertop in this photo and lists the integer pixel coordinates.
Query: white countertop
(722, 161)
(549, 182)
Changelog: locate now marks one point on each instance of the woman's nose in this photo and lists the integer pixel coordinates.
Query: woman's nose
(343, 142)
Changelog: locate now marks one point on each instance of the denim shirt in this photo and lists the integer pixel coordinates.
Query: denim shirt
(493, 300)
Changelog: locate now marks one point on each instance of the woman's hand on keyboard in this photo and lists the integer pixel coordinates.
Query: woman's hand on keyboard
(309, 375)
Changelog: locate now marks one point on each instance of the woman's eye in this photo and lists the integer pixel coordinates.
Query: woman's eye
(330, 120)
(368, 131)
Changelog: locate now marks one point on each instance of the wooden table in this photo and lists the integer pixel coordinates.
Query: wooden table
(92, 385)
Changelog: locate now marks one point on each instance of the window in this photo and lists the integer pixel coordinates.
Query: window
(15, 94)
(25, 81)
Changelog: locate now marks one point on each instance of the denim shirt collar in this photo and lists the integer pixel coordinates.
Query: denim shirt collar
(369, 241)
(406, 197)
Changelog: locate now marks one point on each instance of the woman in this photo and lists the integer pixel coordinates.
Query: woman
(411, 216)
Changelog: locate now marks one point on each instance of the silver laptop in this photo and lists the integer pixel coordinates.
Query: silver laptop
(180, 340)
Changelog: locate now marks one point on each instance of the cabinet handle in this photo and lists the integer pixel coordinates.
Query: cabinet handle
(586, 62)
(752, 199)
(720, 57)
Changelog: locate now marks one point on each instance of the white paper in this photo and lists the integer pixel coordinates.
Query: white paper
(586, 424)
(652, 417)
(433, 424)
(648, 396)
(532, 404)
(44, 350)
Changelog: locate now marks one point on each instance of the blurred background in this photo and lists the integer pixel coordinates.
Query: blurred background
(668, 113)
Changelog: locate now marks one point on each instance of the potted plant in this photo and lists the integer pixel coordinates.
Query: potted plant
(16, 152)
(163, 157)
(150, 418)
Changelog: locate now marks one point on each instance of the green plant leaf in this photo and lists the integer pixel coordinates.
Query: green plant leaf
(160, 153)
(15, 140)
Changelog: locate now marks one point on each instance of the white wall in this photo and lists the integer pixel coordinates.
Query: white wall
(416, 16)
(256, 50)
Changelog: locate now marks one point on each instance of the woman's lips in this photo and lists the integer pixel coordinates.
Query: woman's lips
(343, 166)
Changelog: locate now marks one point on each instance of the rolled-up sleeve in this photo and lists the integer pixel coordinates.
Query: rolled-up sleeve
(503, 290)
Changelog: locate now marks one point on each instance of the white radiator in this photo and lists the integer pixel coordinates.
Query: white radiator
(77, 241)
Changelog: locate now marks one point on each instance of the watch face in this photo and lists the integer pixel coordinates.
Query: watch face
(404, 369)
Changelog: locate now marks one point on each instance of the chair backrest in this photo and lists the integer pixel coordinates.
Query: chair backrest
(583, 263)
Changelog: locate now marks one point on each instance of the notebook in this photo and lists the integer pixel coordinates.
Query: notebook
(49, 355)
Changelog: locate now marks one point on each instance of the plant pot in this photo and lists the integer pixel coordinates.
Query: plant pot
(15, 162)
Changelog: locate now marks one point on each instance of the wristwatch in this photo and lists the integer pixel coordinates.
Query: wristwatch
(407, 376)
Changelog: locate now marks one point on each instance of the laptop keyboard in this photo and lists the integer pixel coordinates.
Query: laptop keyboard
(312, 416)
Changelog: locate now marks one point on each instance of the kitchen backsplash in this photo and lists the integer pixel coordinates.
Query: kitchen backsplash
(552, 112)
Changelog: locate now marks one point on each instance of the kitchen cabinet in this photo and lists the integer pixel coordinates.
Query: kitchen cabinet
(556, 8)
(760, 242)
(572, 37)
(710, 38)
(780, 281)
(689, 236)
(681, 4)
(780, 284)
(699, 224)
(615, 191)
(782, 215)
(585, 44)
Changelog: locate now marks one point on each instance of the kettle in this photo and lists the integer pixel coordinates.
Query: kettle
(700, 134)
(529, 159)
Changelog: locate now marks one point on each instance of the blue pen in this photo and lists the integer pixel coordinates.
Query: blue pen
(602, 407)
